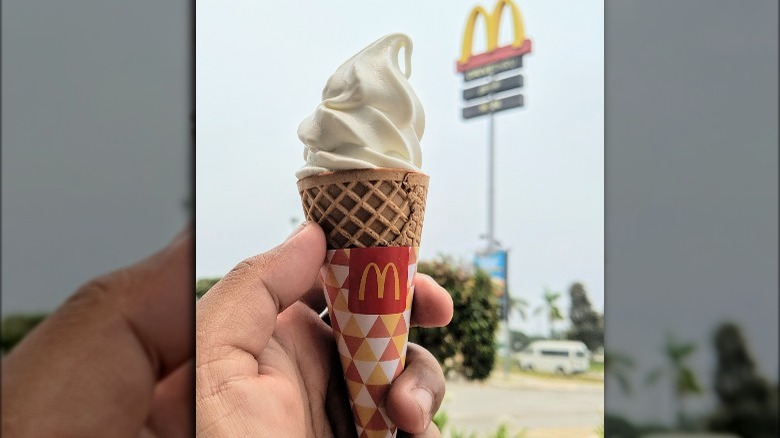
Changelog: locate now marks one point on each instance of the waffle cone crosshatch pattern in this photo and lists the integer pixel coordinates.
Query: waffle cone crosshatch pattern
(369, 292)
(367, 208)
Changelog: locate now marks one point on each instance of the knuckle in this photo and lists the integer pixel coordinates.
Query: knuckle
(251, 266)
(424, 358)
(243, 267)
(96, 291)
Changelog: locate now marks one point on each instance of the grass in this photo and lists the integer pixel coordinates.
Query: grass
(571, 377)
(501, 432)
(441, 419)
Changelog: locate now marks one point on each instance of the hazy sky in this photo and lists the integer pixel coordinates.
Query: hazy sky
(95, 165)
(691, 198)
(261, 69)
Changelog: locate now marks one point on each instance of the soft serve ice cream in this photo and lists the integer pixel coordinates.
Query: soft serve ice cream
(369, 116)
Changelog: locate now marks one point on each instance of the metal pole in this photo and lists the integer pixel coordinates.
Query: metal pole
(491, 238)
(508, 333)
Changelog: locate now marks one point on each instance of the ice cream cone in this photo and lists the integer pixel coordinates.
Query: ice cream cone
(372, 219)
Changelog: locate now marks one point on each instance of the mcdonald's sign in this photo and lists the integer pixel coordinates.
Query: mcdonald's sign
(519, 46)
(378, 280)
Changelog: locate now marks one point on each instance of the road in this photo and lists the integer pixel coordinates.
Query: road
(544, 407)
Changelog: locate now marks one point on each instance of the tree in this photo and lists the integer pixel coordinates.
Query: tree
(519, 306)
(684, 382)
(518, 340)
(550, 309)
(478, 329)
(618, 427)
(586, 324)
(467, 344)
(747, 404)
(617, 366)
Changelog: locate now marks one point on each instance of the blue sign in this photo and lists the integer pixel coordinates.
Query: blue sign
(494, 263)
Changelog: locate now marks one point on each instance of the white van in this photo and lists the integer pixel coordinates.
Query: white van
(563, 357)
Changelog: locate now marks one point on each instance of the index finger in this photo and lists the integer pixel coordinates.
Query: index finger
(432, 306)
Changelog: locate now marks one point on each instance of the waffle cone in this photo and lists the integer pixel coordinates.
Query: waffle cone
(366, 208)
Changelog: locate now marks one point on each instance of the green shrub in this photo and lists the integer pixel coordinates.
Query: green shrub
(467, 344)
(440, 419)
(501, 432)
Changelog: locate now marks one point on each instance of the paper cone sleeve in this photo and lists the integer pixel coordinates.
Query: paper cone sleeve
(369, 292)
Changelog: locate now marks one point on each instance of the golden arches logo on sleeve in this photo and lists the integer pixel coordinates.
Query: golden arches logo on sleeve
(381, 279)
(519, 46)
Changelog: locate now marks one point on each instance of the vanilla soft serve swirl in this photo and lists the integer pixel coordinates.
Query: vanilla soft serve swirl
(369, 116)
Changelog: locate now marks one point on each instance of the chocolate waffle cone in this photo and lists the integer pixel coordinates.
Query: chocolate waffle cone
(366, 208)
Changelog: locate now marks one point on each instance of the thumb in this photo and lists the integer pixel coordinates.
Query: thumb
(240, 310)
(103, 351)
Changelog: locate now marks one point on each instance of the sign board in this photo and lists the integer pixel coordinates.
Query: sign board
(493, 87)
(496, 59)
(493, 68)
(494, 263)
(494, 106)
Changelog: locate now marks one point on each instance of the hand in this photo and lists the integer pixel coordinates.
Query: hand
(266, 364)
(114, 360)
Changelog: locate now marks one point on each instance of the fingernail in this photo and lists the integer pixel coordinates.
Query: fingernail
(424, 399)
(296, 231)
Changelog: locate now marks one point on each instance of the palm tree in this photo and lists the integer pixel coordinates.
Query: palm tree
(682, 377)
(518, 305)
(518, 340)
(551, 309)
(617, 365)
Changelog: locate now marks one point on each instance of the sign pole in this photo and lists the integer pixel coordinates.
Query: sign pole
(491, 238)
(508, 339)
(507, 58)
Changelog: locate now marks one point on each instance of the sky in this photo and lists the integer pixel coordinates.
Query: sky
(95, 141)
(691, 187)
(261, 68)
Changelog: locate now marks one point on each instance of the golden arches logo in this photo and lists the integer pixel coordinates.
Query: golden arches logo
(492, 24)
(381, 276)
